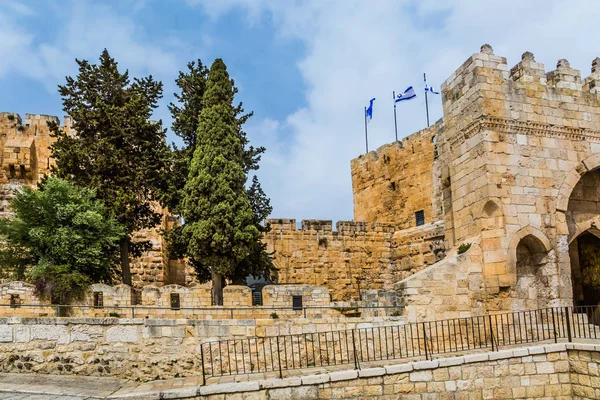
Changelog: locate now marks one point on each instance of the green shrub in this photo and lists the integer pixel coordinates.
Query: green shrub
(396, 313)
(463, 248)
(274, 315)
(114, 314)
(11, 117)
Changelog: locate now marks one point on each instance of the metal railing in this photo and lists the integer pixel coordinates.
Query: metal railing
(134, 311)
(409, 340)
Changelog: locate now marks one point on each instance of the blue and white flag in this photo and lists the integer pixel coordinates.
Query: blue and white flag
(369, 114)
(430, 89)
(408, 94)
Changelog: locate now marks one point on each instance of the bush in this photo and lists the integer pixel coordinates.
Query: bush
(114, 314)
(274, 315)
(396, 313)
(11, 117)
(463, 248)
(60, 240)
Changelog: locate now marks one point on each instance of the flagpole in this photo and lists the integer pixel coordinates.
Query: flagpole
(426, 104)
(366, 139)
(395, 122)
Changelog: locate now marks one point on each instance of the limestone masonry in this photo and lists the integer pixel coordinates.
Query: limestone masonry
(510, 172)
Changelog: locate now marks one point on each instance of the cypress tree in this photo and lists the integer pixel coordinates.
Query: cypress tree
(117, 150)
(220, 229)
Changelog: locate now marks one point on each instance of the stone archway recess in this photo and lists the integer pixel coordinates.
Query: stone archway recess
(563, 236)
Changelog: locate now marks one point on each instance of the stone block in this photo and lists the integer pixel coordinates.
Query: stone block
(123, 334)
(343, 375)
(6, 334)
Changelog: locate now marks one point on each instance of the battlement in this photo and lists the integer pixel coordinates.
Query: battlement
(485, 86)
(325, 226)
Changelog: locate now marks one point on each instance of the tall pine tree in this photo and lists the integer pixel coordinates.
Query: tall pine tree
(222, 231)
(117, 150)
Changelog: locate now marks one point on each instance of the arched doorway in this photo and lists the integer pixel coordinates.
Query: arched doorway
(583, 217)
(534, 269)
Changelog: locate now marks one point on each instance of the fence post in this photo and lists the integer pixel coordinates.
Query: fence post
(425, 340)
(132, 312)
(554, 325)
(202, 358)
(568, 324)
(356, 366)
(304, 309)
(279, 358)
(58, 311)
(491, 331)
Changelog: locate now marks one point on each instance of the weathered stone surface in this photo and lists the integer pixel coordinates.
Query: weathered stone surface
(127, 334)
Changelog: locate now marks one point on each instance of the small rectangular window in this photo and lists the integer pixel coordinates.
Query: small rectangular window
(297, 302)
(420, 217)
(257, 298)
(175, 302)
(98, 299)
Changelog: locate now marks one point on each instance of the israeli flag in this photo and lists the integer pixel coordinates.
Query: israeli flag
(408, 94)
(430, 89)
(369, 114)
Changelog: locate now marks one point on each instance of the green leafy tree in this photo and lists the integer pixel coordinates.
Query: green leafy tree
(117, 150)
(63, 237)
(222, 231)
(186, 113)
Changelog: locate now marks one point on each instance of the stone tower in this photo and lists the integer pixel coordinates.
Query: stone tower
(515, 145)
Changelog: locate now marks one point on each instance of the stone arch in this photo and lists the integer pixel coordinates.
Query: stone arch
(564, 194)
(532, 264)
(533, 237)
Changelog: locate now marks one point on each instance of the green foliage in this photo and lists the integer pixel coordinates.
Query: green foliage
(463, 248)
(274, 315)
(223, 218)
(114, 314)
(219, 221)
(11, 117)
(396, 313)
(60, 239)
(117, 151)
(186, 113)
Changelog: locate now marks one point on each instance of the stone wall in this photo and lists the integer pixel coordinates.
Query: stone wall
(141, 349)
(175, 301)
(395, 181)
(374, 253)
(553, 372)
(515, 142)
(451, 288)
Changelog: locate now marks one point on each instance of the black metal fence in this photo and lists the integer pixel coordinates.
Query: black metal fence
(411, 340)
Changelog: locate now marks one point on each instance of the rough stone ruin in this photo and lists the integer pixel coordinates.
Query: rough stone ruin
(494, 207)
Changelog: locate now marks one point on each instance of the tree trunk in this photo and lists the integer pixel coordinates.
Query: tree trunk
(126, 271)
(217, 289)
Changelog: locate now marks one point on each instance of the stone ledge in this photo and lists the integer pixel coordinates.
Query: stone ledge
(228, 388)
(369, 372)
(343, 375)
(315, 379)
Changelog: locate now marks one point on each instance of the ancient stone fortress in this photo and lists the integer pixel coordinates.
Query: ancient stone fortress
(510, 169)
(495, 207)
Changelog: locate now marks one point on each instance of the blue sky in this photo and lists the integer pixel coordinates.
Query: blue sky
(306, 68)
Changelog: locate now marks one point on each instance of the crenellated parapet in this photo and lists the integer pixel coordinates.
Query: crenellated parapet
(279, 225)
(484, 86)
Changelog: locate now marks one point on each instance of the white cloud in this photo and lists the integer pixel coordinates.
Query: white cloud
(357, 50)
(87, 28)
